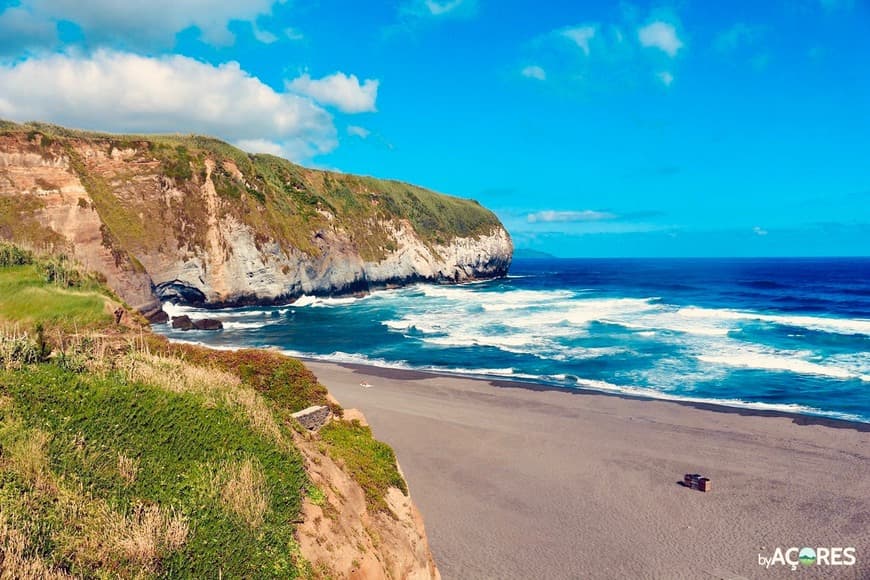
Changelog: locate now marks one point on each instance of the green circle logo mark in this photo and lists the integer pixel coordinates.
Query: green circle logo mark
(807, 556)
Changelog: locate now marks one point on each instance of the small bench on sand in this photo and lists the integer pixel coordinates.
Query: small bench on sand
(696, 481)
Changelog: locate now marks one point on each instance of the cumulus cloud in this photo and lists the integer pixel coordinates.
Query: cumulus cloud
(357, 131)
(151, 23)
(610, 54)
(261, 146)
(20, 30)
(759, 231)
(123, 92)
(660, 35)
(339, 90)
(588, 215)
(534, 72)
(581, 35)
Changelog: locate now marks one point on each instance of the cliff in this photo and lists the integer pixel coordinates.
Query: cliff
(197, 221)
(127, 456)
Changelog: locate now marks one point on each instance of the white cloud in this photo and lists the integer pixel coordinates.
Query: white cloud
(263, 36)
(122, 92)
(587, 215)
(660, 35)
(535, 72)
(439, 8)
(339, 90)
(293, 34)
(581, 35)
(736, 36)
(666, 78)
(357, 131)
(149, 23)
(617, 34)
(261, 146)
(759, 231)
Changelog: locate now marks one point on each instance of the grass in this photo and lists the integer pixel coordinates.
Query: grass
(122, 222)
(176, 439)
(28, 299)
(370, 462)
(284, 381)
(18, 220)
(124, 455)
(243, 491)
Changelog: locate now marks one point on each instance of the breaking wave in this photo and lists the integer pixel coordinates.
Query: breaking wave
(716, 336)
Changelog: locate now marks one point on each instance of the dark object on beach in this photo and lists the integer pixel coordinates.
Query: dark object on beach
(208, 324)
(182, 322)
(696, 481)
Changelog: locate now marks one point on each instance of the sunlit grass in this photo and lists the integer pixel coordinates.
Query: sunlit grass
(26, 298)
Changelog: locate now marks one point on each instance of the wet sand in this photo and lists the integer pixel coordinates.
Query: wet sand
(521, 482)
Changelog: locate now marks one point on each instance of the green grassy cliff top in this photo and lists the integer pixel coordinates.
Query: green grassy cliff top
(124, 455)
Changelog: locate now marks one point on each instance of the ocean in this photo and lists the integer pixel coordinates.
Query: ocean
(774, 334)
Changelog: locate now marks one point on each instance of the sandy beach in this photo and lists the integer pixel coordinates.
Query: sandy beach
(518, 482)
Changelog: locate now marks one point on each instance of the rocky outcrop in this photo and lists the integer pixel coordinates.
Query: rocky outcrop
(184, 322)
(205, 224)
(313, 418)
(269, 274)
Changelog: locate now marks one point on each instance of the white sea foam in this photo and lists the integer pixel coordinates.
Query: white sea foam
(223, 313)
(825, 324)
(173, 309)
(654, 394)
(598, 385)
(233, 325)
(784, 361)
(304, 300)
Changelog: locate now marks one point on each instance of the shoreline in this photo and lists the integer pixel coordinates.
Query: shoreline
(517, 480)
(507, 383)
(819, 417)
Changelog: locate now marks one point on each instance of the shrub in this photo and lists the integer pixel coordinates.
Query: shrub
(12, 255)
(60, 271)
(17, 350)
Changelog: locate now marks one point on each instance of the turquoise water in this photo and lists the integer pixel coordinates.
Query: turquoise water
(779, 334)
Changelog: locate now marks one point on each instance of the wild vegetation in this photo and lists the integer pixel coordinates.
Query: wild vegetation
(124, 455)
(370, 462)
(281, 201)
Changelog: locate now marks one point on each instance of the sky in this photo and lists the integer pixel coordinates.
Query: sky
(601, 129)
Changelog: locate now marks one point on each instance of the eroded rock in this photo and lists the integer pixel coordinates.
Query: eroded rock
(313, 418)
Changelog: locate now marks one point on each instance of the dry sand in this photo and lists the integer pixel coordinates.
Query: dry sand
(518, 482)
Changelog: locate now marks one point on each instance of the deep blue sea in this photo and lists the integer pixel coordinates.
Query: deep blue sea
(779, 334)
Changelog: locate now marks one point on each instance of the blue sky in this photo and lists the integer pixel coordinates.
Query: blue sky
(686, 128)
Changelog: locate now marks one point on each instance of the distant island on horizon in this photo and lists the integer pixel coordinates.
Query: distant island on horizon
(529, 254)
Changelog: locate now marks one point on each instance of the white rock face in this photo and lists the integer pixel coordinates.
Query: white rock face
(247, 274)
